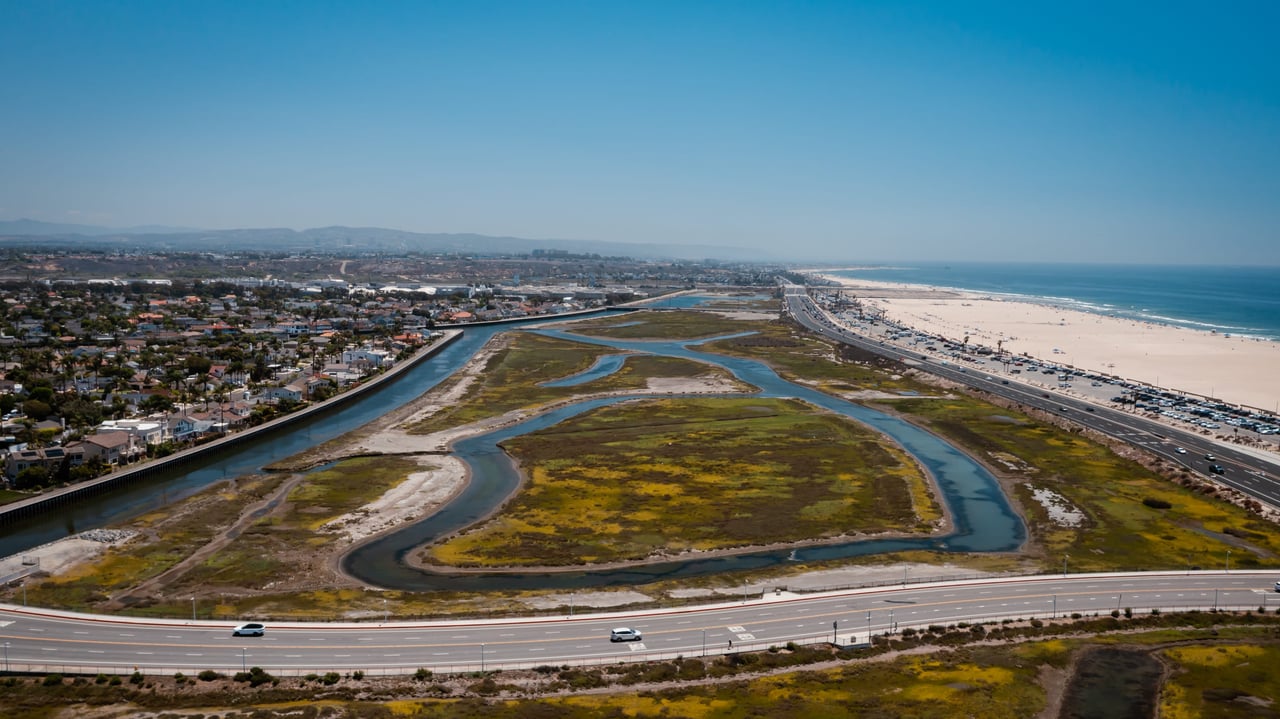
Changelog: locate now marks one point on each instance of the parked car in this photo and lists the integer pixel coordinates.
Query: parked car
(624, 634)
(250, 629)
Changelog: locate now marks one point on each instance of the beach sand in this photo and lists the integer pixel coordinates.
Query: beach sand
(1236, 370)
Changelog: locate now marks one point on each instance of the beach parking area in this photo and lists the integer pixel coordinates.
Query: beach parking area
(1231, 369)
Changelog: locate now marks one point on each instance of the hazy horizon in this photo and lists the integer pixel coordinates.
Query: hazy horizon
(826, 132)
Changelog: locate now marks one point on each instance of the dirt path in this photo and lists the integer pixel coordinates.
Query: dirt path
(157, 584)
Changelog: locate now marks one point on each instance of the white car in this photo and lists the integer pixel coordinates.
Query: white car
(1179, 450)
(251, 629)
(624, 634)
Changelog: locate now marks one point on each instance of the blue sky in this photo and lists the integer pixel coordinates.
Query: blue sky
(843, 131)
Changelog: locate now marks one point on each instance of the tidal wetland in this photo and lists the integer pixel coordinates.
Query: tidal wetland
(685, 456)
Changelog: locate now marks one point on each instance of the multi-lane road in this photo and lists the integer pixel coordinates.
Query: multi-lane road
(48, 641)
(1256, 476)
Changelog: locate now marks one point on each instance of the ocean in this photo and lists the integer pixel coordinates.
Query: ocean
(1241, 301)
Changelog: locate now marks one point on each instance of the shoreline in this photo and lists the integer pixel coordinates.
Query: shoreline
(1229, 368)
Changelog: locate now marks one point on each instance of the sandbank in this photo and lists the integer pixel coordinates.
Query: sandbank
(1236, 370)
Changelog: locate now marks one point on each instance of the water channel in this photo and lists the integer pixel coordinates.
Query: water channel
(162, 487)
(982, 518)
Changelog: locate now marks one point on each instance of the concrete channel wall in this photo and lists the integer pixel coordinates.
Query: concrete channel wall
(44, 502)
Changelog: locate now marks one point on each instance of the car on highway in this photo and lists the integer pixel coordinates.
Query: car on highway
(1210, 457)
(1217, 469)
(249, 629)
(1278, 586)
(1180, 450)
(624, 634)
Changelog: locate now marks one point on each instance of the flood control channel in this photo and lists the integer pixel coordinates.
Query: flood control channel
(983, 520)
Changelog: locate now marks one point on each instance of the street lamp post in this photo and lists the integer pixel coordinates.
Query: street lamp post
(6, 657)
(834, 638)
(386, 613)
(704, 642)
(1065, 557)
(481, 657)
(243, 665)
(892, 626)
(868, 628)
(1055, 606)
(1228, 570)
(193, 609)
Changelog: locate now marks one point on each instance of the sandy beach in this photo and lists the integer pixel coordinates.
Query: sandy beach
(1236, 370)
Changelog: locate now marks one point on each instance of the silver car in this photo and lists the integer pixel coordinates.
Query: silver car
(251, 629)
(624, 634)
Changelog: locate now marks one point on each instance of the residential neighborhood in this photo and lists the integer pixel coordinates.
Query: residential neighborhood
(102, 372)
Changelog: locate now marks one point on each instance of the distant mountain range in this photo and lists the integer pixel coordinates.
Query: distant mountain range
(347, 240)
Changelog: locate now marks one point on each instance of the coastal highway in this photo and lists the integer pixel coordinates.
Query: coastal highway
(1253, 475)
(44, 641)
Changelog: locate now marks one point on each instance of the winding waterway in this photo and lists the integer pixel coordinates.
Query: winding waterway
(983, 520)
(125, 502)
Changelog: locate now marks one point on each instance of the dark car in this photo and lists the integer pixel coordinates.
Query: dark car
(1217, 469)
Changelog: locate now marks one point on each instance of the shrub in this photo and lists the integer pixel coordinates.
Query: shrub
(52, 680)
(422, 674)
(357, 675)
(208, 675)
(136, 678)
(330, 678)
